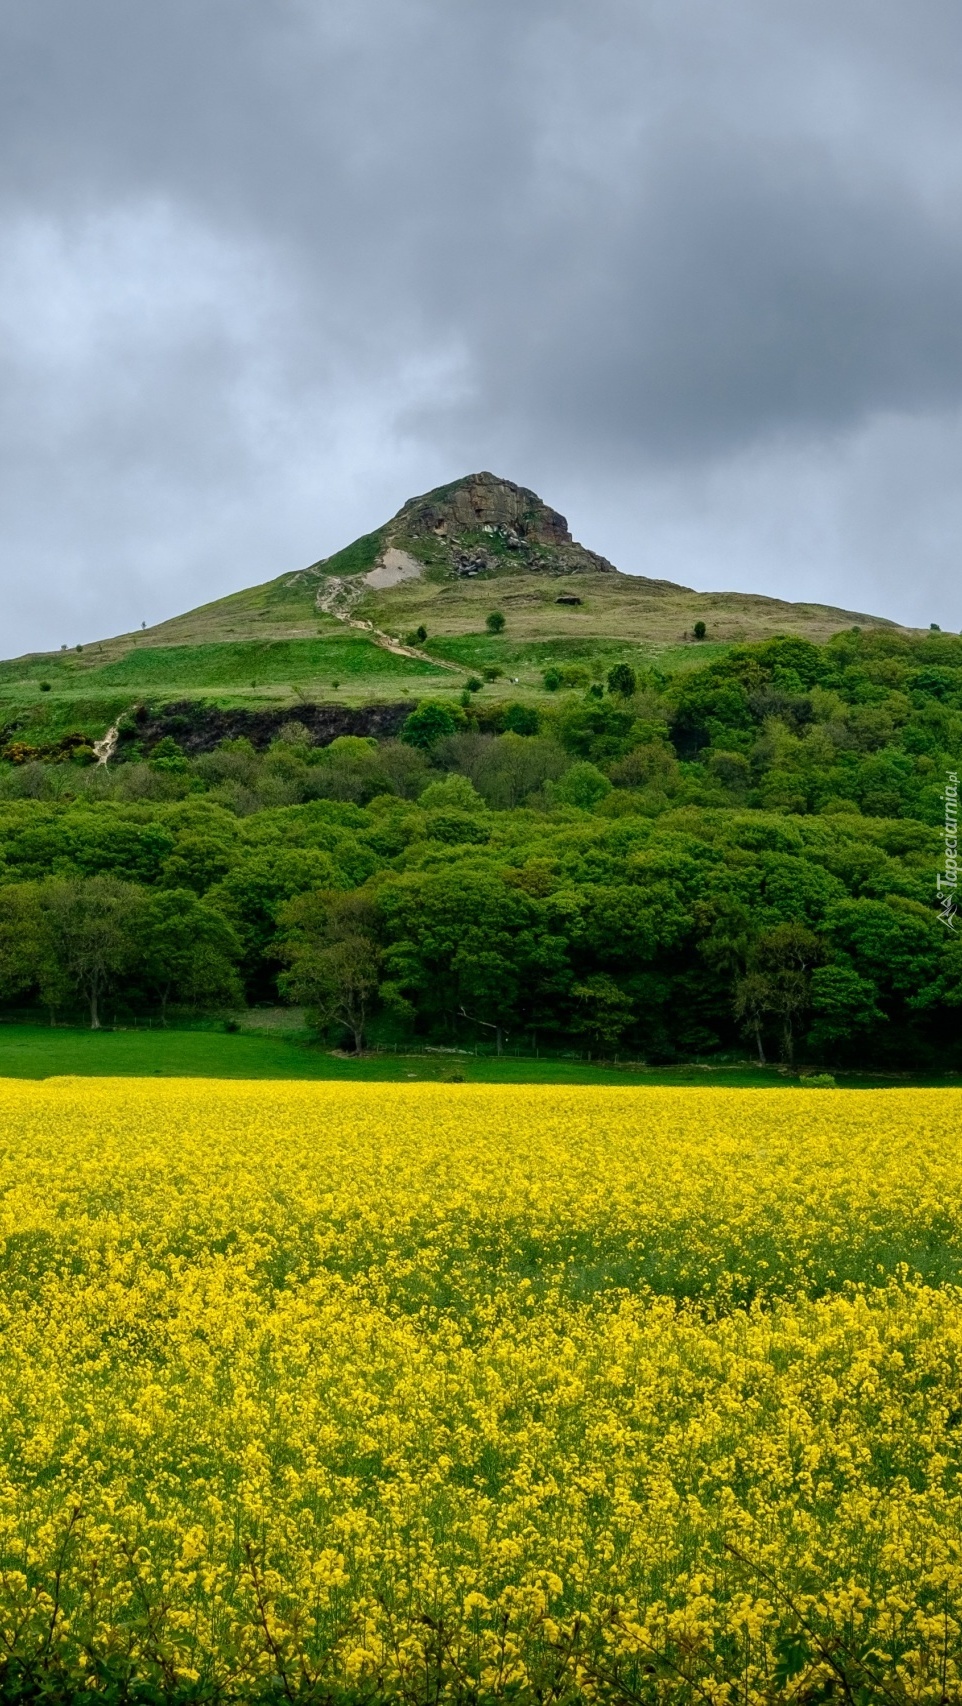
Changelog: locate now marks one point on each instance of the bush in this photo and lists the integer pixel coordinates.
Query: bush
(699, 630)
(520, 719)
(621, 679)
(495, 622)
(583, 785)
(474, 684)
(551, 680)
(168, 757)
(429, 723)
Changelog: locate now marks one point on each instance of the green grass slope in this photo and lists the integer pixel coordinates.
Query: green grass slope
(274, 645)
(35, 1051)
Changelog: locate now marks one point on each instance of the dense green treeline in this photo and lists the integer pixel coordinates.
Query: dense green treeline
(664, 866)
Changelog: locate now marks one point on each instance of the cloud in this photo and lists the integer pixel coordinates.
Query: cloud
(265, 271)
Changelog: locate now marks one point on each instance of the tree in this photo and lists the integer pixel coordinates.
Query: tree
(21, 940)
(252, 894)
(621, 680)
(189, 952)
(200, 858)
(603, 1012)
(595, 729)
(506, 770)
(583, 785)
(754, 1001)
(334, 957)
(428, 724)
(92, 926)
(460, 940)
(520, 719)
(777, 982)
(844, 1006)
(699, 630)
(495, 622)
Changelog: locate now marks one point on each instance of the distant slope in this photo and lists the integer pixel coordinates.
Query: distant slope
(344, 629)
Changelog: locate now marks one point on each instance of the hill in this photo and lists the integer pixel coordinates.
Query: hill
(401, 613)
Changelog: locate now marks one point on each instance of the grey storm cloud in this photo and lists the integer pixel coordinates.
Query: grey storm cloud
(693, 272)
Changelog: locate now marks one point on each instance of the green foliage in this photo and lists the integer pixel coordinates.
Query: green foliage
(495, 622)
(428, 724)
(741, 855)
(583, 785)
(520, 719)
(595, 730)
(329, 942)
(188, 952)
(622, 680)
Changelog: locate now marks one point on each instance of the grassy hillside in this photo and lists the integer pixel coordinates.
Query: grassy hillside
(325, 634)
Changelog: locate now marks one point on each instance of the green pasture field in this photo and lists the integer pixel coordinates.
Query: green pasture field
(476, 651)
(245, 663)
(250, 673)
(40, 1051)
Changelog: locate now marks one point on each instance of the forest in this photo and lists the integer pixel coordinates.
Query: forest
(740, 857)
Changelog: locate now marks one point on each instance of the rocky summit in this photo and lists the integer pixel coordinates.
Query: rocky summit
(482, 524)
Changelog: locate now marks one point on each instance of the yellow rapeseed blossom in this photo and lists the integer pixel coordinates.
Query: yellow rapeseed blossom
(367, 1392)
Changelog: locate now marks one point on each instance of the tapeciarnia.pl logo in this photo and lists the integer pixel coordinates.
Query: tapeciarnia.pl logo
(947, 881)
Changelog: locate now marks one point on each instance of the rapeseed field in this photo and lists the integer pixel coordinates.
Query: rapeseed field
(338, 1393)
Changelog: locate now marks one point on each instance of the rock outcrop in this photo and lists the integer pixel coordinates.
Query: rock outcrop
(482, 523)
(476, 526)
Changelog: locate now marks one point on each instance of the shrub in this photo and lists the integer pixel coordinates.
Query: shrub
(583, 785)
(428, 723)
(520, 719)
(495, 622)
(621, 679)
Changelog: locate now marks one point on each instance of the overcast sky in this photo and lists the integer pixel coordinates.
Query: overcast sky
(269, 267)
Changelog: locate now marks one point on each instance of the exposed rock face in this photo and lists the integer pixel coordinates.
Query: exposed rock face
(512, 523)
(482, 501)
(199, 728)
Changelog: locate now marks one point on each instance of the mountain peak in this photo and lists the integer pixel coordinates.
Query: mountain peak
(482, 522)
